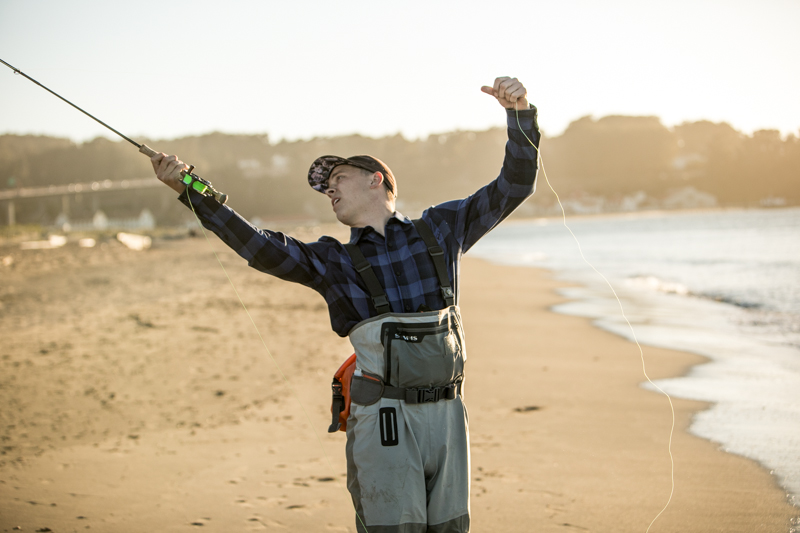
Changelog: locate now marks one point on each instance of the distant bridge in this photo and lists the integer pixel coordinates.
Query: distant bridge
(73, 188)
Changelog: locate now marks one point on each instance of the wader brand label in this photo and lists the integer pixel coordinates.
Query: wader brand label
(388, 417)
(427, 354)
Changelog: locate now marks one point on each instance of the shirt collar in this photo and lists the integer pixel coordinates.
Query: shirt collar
(357, 233)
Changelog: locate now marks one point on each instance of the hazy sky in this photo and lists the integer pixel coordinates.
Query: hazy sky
(301, 69)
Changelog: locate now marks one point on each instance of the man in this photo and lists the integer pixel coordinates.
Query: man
(393, 291)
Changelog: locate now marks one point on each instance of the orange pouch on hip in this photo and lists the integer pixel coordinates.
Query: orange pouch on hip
(340, 388)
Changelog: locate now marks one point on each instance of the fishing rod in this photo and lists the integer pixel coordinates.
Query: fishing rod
(190, 179)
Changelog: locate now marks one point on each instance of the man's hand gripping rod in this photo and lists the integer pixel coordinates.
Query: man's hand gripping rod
(194, 181)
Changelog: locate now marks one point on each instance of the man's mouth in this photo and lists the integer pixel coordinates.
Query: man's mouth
(335, 201)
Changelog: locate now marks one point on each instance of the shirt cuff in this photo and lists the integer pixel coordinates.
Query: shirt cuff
(531, 108)
(528, 118)
(196, 198)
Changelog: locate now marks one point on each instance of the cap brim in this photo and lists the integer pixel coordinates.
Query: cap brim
(321, 169)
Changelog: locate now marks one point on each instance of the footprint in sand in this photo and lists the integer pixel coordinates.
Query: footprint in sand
(527, 408)
(267, 523)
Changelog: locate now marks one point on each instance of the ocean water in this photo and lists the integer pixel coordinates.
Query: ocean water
(723, 284)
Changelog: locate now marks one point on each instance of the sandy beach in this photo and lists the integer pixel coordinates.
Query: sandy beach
(137, 396)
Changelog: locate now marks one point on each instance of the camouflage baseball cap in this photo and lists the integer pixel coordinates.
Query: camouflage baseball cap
(322, 167)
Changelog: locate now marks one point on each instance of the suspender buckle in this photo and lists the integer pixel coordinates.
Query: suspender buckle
(447, 293)
(379, 301)
(362, 267)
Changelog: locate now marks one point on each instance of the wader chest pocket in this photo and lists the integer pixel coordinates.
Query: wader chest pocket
(422, 354)
(365, 389)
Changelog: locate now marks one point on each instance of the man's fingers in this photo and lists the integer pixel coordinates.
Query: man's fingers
(163, 167)
(170, 167)
(168, 170)
(170, 162)
(507, 86)
(517, 93)
(507, 90)
(156, 161)
(497, 83)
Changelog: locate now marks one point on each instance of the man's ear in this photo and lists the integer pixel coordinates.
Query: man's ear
(377, 180)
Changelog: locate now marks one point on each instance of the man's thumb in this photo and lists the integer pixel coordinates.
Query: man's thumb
(488, 90)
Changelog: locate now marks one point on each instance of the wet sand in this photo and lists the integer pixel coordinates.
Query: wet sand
(136, 396)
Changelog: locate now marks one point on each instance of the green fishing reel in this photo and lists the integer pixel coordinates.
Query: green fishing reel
(202, 186)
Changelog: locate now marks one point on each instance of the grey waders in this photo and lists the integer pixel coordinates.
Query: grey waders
(407, 435)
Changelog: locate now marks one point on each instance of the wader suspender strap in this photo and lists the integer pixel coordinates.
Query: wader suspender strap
(364, 270)
(377, 293)
(437, 254)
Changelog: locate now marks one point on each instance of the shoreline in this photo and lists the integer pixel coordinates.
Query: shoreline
(738, 361)
(140, 403)
(712, 380)
(701, 467)
(676, 276)
(643, 213)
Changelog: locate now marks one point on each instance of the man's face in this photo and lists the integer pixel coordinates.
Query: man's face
(349, 192)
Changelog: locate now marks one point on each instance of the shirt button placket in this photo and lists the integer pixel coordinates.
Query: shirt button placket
(398, 272)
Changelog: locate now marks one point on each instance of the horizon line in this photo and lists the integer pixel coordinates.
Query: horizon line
(784, 135)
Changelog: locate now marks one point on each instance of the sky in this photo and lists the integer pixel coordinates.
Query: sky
(296, 70)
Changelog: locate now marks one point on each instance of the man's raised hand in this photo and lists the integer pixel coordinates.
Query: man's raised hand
(509, 92)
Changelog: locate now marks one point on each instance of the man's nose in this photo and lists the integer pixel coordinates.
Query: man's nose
(329, 191)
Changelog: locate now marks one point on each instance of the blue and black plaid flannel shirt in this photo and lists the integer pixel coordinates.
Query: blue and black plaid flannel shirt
(400, 260)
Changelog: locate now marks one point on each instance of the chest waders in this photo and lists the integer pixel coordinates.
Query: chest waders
(407, 435)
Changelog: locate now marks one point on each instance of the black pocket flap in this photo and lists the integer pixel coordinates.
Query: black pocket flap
(366, 390)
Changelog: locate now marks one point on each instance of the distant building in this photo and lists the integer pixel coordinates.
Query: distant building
(773, 201)
(689, 198)
(633, 202)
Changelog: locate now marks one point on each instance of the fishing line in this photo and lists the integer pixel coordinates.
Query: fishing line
(204, 187)
(622, 311)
